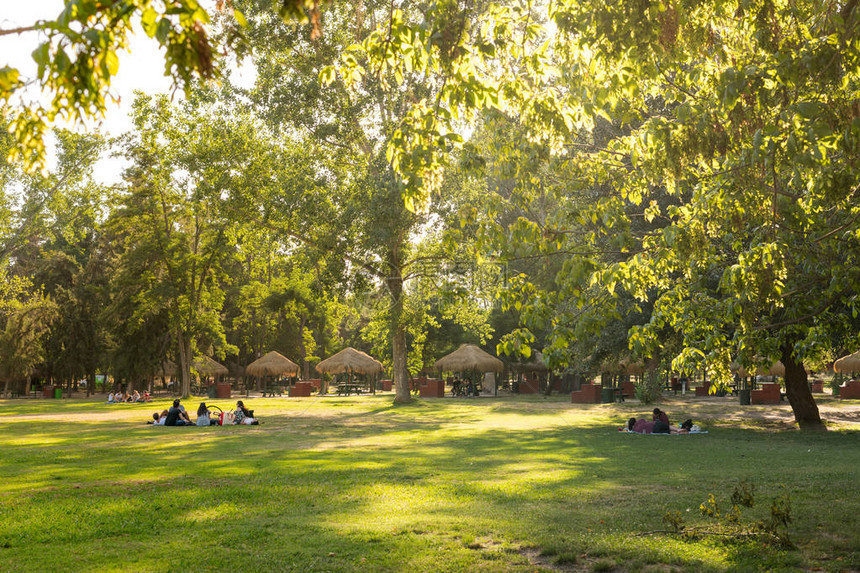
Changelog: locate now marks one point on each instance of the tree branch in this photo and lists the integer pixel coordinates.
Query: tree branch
(21, 30)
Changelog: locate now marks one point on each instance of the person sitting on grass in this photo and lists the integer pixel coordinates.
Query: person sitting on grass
(661, 422)
(174, 416)
(203, 416)
(242, 415)
(158, 419)
(183, 414)
(110, 399)
(135, 397)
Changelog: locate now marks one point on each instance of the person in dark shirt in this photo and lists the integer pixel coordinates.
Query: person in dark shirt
(661, 422)
(174, 416)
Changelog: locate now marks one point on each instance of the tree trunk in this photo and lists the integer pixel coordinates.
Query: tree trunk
(797, 390)
(303, 351)
(549, 384)
(184, 363)
(398, 338)
(398, 365)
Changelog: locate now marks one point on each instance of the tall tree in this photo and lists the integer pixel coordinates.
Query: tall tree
(367, 221)
(174, 221)
(755, 140)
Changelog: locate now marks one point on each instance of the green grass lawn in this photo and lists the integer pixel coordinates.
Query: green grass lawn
(356, 484)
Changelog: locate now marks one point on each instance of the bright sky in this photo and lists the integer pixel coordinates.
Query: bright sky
(142, 68)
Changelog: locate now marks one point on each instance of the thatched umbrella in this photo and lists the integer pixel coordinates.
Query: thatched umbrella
(776, 369)
(350, 360)
(209, 367)
(272, 364)
(469, 358)
(850, 363)
(535, 365)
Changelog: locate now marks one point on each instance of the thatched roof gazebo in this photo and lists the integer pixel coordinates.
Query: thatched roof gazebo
(535, 365)
(350, 360)
(272, 364)
(206, 366)
(850, 363)
(776, 369)
(469, 358)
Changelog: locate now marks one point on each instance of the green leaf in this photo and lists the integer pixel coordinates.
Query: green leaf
(42, 56)
(112, 62)
(240, 18)
(147, 21)
(8, 79)
(327, 76)
(163, 30)
(808, 109)
(756, 145)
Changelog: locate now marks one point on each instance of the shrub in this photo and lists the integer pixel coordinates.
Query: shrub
(836, 382)
(649, 387)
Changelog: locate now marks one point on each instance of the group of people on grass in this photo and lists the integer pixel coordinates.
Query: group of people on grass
(176, 415)
(119, 397)
(460, 388)
(659, 424)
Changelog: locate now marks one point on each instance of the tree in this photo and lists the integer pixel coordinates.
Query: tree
(756, 143)
(174, 222)
(59, 238)
(754, 137)
(22, 345)
(365, 220)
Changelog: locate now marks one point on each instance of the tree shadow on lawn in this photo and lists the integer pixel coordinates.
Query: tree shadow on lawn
(296, 489)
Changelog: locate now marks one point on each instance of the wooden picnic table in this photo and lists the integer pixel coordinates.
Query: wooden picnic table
(350, 389)
(272, 389)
